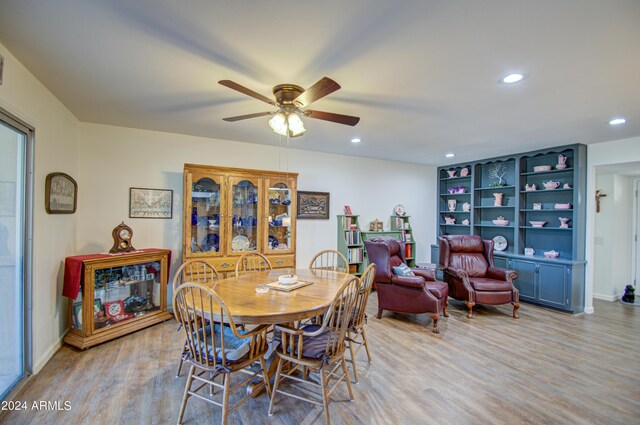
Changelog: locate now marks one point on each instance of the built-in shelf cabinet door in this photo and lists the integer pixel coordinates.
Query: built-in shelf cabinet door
(526, 281)
(552, 285)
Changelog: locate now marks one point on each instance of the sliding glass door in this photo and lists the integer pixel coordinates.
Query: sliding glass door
(15, 216)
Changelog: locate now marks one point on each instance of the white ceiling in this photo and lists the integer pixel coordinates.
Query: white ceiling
(422, 75)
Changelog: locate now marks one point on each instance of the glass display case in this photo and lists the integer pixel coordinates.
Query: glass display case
(207, 214)
(279, 215)
(244, 215)
(118, 294)
(231, 211)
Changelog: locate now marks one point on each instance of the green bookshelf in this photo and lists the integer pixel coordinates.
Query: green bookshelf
(400, 223)
(350, 242)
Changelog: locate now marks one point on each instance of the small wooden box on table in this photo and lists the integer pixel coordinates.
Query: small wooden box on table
(115, 294)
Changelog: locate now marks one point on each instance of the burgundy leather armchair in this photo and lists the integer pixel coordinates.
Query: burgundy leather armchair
(469, 270)
(417, 294)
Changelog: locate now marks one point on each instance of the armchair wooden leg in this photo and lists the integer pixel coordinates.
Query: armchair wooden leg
(379, 316)
(435, 317)
(325, 396)
(445, 313)
(516, 306)
(353, 358)
(187, 388)
(366, 345)
(275, 387)
(185, 348)
(225, 398)
(470, 307)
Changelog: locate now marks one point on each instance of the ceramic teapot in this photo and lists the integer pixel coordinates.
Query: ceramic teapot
(551, 184)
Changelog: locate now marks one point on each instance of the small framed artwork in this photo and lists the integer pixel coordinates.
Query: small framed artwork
(347, 210)
(97, 306)
(60, 194)
(150, 203)
(313, 205)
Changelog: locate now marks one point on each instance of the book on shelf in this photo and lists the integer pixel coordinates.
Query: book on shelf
(352, 237)
(399, 223)
(355, 255)
(408, 252)
(349, 223)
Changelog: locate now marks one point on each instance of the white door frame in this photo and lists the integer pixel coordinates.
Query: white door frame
(635, 243)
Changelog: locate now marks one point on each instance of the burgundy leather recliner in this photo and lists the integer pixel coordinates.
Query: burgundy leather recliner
(417, 294)
(468, 267)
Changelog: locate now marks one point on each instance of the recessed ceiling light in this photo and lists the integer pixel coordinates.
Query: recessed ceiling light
(512, 78)
(450, 155)
(617, 121)
(356, 140)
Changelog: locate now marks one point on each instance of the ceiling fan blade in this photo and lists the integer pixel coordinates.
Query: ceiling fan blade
(245, 117)
(329, 116)
(242, 89)
(317, 91)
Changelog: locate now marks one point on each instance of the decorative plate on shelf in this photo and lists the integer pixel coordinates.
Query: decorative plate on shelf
(500, 243)
(240, 243)
(400, 210)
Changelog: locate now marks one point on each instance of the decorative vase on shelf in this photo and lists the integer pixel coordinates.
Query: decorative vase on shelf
(452, 204)
(497, 202)
(452, 173)
(466, 206)
(194, 216)
(564, 222)
(562, 162)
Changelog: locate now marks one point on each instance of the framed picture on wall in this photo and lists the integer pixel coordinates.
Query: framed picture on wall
(313, 205)
(150, 203)
(60, 194)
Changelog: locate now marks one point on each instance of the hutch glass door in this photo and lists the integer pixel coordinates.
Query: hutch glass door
(207, 214)
(279, 212)
(244, 215)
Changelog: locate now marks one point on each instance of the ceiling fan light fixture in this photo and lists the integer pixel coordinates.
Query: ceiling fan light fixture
(278, 123)
(296, 126)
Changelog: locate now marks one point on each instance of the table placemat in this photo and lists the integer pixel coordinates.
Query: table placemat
(288, 288)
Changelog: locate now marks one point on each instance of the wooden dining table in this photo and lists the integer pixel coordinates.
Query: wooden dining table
(249, 307)
(252, 308)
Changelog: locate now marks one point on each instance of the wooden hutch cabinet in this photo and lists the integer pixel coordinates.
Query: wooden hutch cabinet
(115, 294)
(231, 211)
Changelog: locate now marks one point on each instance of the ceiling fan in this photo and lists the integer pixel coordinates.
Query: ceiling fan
(291, 101)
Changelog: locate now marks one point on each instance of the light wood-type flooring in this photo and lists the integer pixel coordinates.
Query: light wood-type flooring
(545, 368)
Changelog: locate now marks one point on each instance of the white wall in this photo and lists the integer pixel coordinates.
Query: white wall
(56, 132)
(607, 153)
(106, 161)
(113, 159)
(612, 229)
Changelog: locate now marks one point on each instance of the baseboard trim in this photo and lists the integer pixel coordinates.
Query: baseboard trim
(42, 361)
(607, 297)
